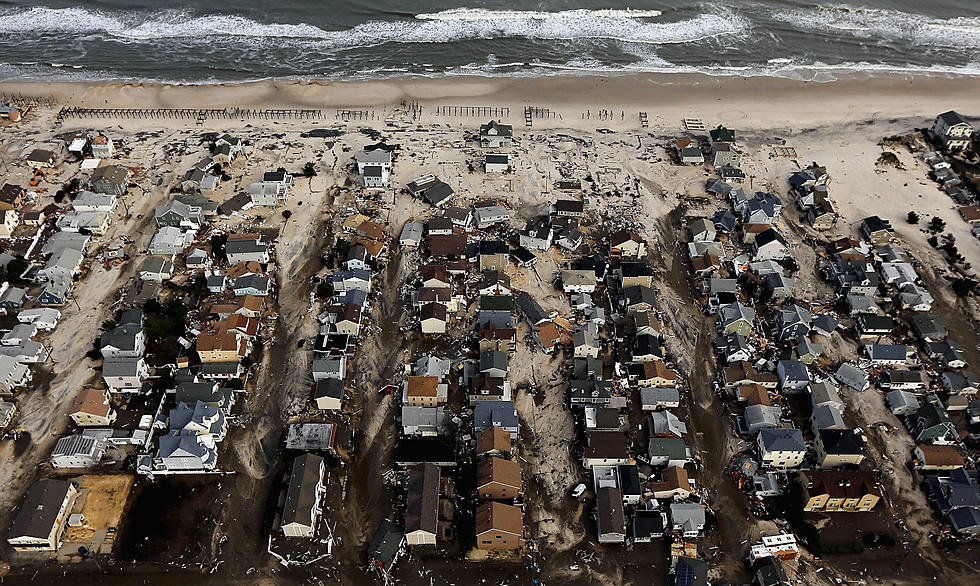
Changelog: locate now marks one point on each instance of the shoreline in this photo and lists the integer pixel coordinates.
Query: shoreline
(735, 101)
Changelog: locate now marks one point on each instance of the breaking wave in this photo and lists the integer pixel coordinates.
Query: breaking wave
(482, 14)
(886, 26)
(443, 27)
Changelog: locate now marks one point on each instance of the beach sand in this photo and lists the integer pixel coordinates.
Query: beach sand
(746, 103)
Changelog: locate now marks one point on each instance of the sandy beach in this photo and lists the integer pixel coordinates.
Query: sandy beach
(788, 104)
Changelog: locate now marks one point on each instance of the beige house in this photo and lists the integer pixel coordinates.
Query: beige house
(40, 522)
(424, 391)
(8, 221)
(92, 408)
(228, 347)
(433, 318)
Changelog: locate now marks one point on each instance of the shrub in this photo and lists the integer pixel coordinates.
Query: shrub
(937, 224)
(913, 218)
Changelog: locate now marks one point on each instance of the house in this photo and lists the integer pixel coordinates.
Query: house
(569, 238)
(827, 417)
(13, 298)
(493, 441)
(902, 402)
(492, 255)
(92, 409)
(626, 244)
(330, 367)
(668, 451)
(774, 547)
(498, 479)
(41, 520)
(78, 451)
(536, 234)
(665, 424)
(112, 179)
(185, 453)
(901, 380)
(13, 375)
(702, 230)
(852, 376)
(496, 162)
(411, 234)
(834, 491)
(157, 269)
(655, 374)
(793, 375)
(652, 399)
(578, 281)
(302, 508)
(40, 158)
(931, 423)
(226, 148)
(961, 383)
(932, 457)
(422, 504)
(928, 327)
(688, 519)
(947, 352)
(647, 525)
(781, 448)
(424, 421)
(605, 448)
(758, 417)
(769, 245)
(246, 247)
(957, 496)
(838, 447)
(432, 317)
(424, 391)
(610, 521)
(170, 240)
(500, 414)
(328, 394)
(227, 347)
(824, 393)
(493, 135)
(690, 572)
(439, 194)
(490, 215)
(351, 280)
(499, 526)
(724, 155)
(953, 130)
(735, 318)
(569, 208)
(689, 152)
(493, 363)
(124, 375)
(674, 484)
(887, 354)
(876, 230)
(385, 547)
(272, 190)
(177, 214)
(8, 222)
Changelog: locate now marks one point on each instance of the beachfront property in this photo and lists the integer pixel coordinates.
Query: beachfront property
(494, 135)
(953, 130)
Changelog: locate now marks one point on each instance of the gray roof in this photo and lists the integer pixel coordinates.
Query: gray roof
(673, 448)
(121, 367)
(301, 496)
(494, 414)
(39, 511)
(245, 246)
(689, 515)
(782, 440)
(656, 396)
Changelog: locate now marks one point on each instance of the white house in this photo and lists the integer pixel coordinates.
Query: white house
(953, 130)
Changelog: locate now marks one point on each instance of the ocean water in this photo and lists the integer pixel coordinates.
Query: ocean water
(204, 41)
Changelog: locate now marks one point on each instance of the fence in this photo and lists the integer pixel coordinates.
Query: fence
(189, 113)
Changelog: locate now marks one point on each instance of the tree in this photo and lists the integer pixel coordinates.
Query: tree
(913, 218)
(309, 169)
(108, 325)
(937, 224)
(963, 286)
(16, 267)
(324, 290)
(286, 214)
